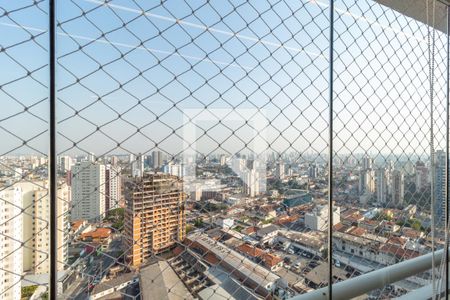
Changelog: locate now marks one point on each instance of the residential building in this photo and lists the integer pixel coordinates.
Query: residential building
(398, 188)
(422, 176)
(11, 250)
(250, 274)
(366, 181)
(367, 162)
(154, 216)
(40, 234)
(267, 233)
(381, 186)
(279, 171)
(224, 160)
(65, 164)
(137, 166)
(113, 186)
(88, 191)
(270, 261)
(317, 219)
(439, 185)
(226, 223)
(174, 169)
(312, 171)
(251, 182)
(158, 159)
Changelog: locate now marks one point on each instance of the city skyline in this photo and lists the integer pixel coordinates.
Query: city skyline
(282, 108)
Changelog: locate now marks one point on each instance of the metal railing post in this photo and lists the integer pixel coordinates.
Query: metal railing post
(52, 156)
(330, 157)
(447, 146)
(362, 284)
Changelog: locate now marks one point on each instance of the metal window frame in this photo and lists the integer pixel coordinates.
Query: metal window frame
(53, 290)
(343, 290)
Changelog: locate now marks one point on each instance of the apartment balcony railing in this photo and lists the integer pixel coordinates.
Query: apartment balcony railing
(378, 279)
(293, 149)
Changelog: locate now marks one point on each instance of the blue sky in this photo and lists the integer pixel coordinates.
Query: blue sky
(268, 55)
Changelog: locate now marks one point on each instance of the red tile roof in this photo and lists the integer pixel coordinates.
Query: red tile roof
(358, 231)
(398, 252)
(250, 230)
(250, 250)
(395, 240)
(271, 260)
(411, 233)
(178, 250)
(287, 219)
(77, 224)
(268, 259)
(99, 233)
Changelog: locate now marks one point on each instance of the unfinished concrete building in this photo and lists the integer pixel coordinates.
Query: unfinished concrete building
(154, 216)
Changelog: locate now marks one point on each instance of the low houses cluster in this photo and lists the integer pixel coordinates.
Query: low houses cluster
(79, 227)
(383, 250)
(267, 234)
(253, 275)
(269, 260)
(99, 235)
(313, 242)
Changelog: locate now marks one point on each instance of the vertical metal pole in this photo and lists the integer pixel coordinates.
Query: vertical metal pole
(447, 144)
(52, 156)
(330, 156)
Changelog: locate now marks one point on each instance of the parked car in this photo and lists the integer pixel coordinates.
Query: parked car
(306, 254)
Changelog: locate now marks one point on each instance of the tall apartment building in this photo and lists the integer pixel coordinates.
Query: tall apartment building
(254, 178)
(137, 166)
(280, 172)
(398, 188)
(88, 191)
(251, 182)
(65, 164)
(158, 159)
(439, 186)
(223, 160)
(39, 232)
(312, 171)
(28, 190)
(367, 162)
(113, 186)
(422, 176)
(11, 249)
(366, 181)
(114, 160)
(382, 186)
(154, 216)
(238, 165)
(35, 230)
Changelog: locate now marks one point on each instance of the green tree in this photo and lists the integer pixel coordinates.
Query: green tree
(189, 228)
(28, 291)
(115, 214)
(198, 222)
(415, 224)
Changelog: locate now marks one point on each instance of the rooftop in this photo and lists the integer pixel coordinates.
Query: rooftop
(158, 281)
(319, 275)
(237, 261)
(103, 286)
(99, 233)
